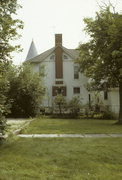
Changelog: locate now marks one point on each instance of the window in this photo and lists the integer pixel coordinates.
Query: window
(52, 57)
(59, 82)
(41, 70)
(59, 90)
(76, 72)
(65, 57)
(76, 90)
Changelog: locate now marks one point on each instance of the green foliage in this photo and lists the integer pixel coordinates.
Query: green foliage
(26, 92)
(74, 106)
(97, 109)
(70, 109)
(8, 32)
(8, 28)
(103, 115)
(101, 58)
(60, 103)
(21, 91)
(2, 124)
(4, 102)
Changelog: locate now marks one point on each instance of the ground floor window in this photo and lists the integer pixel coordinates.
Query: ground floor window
(59, 90)
(76, 90)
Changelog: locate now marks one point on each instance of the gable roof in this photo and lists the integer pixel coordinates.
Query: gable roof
(73, 53)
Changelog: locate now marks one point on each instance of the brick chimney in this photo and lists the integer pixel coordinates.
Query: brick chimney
(59, 87)
(58, 57)
(58, 40)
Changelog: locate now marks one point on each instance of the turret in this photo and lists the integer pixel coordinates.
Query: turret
(32, 51)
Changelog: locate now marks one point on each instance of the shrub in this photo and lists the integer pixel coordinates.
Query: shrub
(74, 106)
(60, 104)
(4, 103)
(26, 92)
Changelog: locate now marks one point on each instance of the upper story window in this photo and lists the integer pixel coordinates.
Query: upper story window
(52, 57)
(76, 72)
(41, 70)
(65, 56)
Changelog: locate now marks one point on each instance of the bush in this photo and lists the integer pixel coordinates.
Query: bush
(4, 103)
(60, 104)
(2, 124)
(107, 114)
(26, 92)
(74, 107)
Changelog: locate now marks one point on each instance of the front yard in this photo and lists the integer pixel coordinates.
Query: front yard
(70, 126)
(14, 125)
(62, 159)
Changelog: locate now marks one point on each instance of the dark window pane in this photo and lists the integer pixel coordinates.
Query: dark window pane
(76, 90)
(76, 72)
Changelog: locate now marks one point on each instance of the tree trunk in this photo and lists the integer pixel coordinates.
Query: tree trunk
(120, 100)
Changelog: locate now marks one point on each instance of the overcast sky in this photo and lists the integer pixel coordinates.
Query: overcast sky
(44, 18)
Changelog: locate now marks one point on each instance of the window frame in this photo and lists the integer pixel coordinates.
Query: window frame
(76, 72)
(76, 90)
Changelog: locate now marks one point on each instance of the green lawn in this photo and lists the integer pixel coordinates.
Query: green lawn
(13, 125)
(67, 126)
(62, 159)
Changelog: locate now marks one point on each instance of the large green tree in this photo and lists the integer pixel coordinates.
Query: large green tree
(60, 103)
(26, 91)
(9, 26)
(101, 57)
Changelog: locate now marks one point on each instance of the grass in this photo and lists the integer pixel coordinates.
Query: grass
(62, 159)
(13, 125)
(68, 126)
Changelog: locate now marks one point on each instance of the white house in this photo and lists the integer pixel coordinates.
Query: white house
(107, 99)
(62, 75)
(61, 72)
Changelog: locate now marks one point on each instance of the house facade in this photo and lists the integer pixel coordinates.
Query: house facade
(62, 76)
(61, 72)
(108, 100)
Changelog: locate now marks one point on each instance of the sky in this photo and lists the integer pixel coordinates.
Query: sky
(44, 18)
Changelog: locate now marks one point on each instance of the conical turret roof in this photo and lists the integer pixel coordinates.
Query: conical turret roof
(32, 51)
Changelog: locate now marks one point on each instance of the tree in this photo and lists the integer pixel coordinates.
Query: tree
(3, 105)
(4, 101)
(60, 102)
(26, 91)
(101, 57)
(74, 106)
(8, 28)
(8, 32)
